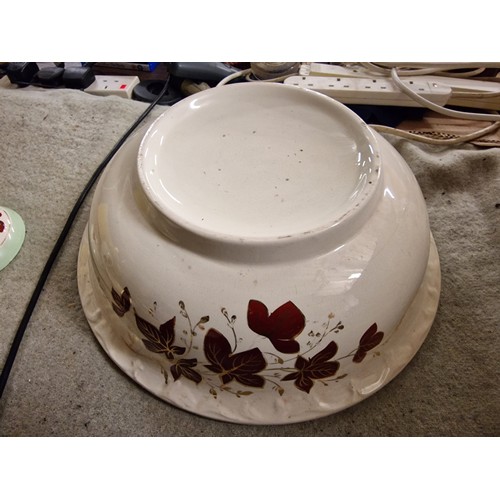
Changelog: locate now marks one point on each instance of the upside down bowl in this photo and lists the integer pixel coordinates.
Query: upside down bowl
(257, 254)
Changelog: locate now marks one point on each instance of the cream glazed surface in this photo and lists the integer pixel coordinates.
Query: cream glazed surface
(259, 255)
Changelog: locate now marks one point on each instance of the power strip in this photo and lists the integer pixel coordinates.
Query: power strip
(121, 86)
(377, 91)
(459, 86)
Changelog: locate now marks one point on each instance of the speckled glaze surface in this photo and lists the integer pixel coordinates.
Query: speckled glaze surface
(259, 255)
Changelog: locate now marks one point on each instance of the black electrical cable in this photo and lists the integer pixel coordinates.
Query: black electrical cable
(60, 241)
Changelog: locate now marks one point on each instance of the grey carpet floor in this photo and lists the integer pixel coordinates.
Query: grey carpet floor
(63, 384)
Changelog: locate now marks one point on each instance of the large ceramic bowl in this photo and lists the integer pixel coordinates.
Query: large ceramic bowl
(259, 255)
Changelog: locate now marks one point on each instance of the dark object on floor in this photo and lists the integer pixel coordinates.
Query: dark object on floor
(210, 72)
(149, 90)
(21, 73)
(390, 116)
(78, 77)
(50, 77)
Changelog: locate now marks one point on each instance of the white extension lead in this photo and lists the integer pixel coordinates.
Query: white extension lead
(361, 85)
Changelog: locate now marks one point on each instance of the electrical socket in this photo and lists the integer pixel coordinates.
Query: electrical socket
(378, 91)
(105, 85)
(433, 82)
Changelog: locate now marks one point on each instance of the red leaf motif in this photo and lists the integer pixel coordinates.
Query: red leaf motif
(152, 346)
(216, 347)
(370, 339)
(184, 367)
(121, 301)
(315, 368)
(280, 327)
(242, 367)
(159, 340)
(302, 381)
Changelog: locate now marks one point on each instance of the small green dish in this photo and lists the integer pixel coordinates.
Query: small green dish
(12, 232)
